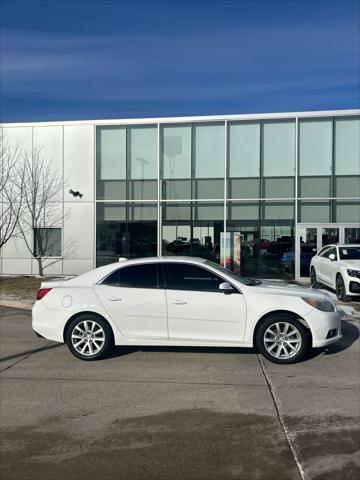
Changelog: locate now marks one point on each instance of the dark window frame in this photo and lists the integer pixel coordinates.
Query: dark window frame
(331, 250)
(167, 280)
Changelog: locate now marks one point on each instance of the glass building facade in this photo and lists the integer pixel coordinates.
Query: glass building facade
(257, 195)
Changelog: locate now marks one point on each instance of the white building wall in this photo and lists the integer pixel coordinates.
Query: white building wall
(70, 152)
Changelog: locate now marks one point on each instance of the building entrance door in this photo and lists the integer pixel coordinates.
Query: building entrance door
(311, 238)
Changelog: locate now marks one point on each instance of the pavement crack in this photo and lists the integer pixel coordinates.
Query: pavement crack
(280, 418)
(166, 382)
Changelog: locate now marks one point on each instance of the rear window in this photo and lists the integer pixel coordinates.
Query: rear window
(134, 276)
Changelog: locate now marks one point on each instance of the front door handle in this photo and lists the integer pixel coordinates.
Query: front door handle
(114, 299)
(180, 302)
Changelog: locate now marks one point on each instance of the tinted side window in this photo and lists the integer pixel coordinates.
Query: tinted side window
(135, 276)
(180, 276)
(329, 252)
(323, 252)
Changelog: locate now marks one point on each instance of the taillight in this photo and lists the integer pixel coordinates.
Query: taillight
(42, 292)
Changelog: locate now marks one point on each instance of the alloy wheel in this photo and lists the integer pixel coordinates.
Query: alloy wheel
(88, 338)
(282, 340)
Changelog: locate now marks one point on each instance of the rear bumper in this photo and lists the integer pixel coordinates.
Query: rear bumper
(48, 323)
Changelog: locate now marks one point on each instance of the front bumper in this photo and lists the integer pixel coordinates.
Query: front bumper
(352, 286)
(320, 324)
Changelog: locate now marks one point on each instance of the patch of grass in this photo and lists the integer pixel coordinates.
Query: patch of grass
(21, 287)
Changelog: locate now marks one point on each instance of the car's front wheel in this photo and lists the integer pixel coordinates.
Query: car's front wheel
(282, 339)
(89, 337)
(313, 279)
(340, 289)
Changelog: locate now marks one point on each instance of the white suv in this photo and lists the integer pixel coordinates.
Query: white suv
(338, 267)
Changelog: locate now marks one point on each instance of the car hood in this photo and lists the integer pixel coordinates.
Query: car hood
(289, 289)
(354, 264)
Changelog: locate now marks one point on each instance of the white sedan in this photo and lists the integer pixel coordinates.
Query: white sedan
(338, 267)
(183, 301)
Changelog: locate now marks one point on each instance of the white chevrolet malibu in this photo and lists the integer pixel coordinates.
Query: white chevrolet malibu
(183, 301)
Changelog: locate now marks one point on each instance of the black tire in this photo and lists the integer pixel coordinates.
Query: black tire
(302, 337)
(100, 343)
(313, 279)
(340, 289)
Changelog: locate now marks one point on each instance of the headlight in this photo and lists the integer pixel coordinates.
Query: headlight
(353, 273)
(323, 305)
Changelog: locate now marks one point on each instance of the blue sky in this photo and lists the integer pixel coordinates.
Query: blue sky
(82, 59)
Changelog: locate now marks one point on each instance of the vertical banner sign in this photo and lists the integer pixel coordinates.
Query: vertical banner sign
(230, 250)
(236, 247)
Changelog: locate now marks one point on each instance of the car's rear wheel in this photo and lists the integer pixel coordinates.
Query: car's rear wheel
(89, 337)
(282, 339)
(313, 279)
(340, 289)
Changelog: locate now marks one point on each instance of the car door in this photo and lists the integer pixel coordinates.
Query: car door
(329, 266)
(198, 310)
(321, 261)
(134, 298)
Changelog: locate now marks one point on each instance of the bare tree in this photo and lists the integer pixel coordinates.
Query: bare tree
(42, 214)
(11, 190)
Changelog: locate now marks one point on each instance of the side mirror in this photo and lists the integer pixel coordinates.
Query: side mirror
(226, 287)
(332, 256)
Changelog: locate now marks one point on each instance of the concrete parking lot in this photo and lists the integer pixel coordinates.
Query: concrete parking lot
(182, 413)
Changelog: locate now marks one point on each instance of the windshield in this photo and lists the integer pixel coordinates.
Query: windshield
(349, 253)
(239, 278)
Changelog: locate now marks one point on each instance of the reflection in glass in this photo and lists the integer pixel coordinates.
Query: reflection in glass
(192, 230)
(176, 161)
(329, 235)
(315, 154)
(209, 150)
(125, 230)
(111, 163)
(209, 156)
(314, 212)
(260, 248)
(243, 188)
(244, 149)
(348, 186)
(347, 146)
(279, 187)
(352, 235)
(279, 148)
(142, 154)
(314, 187)
(347, 212)
(308, 248)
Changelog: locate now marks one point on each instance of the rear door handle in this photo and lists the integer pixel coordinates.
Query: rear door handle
(180, 302)
(114, 299)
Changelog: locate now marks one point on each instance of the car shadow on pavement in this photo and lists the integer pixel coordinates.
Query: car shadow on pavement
(27, 353)
(120, 351)
(350, 335)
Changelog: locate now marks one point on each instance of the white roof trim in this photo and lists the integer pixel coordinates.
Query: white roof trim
(204, 118)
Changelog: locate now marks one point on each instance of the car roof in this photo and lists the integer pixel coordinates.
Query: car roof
(342, 245)
(99, 273)
(167, 258)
